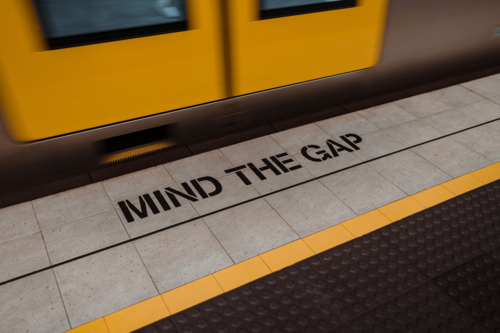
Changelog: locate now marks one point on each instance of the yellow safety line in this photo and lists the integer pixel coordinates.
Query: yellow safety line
(198, 291)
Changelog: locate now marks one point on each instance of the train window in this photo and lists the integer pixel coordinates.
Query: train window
(68, 23)
(280, 8)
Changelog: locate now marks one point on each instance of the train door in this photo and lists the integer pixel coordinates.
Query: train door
(275, 43)
(72, 65)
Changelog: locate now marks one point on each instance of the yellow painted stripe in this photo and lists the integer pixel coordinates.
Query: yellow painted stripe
(247, 271)
(366, 223)
(463, 184)
(433, 196)
(190, 294)
(137, 315)
(400, 209)
(241, 273)
(287, 255)
(96, 326)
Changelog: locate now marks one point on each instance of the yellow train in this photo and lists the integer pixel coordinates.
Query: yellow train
(75, 73)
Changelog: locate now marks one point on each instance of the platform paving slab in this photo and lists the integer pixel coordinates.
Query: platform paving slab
(78, 238)
(185, 253)
(251, 229)
(103, 283)
(22, 256)
(17, 221)
(362, 188)
(292, 140)
(376, 144)
(413, 132)
(70, 206)
(251, 151)
(450, 121)
(452, 157)
(410, 172)
(456, 96)
(487, 87)
(386, 115)
(310, 208)
(482, 111)
(32, 304)
(483, 140)
(211, 163)
(422, 105)
(348, 123)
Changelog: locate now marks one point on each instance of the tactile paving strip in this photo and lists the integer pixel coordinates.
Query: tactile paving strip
(378, 283)
(475, 286)
(442, 237)
(423, 309)
(375, 270)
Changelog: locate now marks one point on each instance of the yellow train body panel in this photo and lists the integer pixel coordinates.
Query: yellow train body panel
(46, 93)
(281, 51)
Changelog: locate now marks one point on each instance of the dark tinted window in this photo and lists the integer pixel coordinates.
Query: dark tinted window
(77, 22)
(280, 8)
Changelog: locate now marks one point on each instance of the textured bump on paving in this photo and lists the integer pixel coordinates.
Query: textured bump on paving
(424, 309)
(378, 283)
(307, 297)
(374, 269)
(239, 310)
(475, 285)
(444, 236)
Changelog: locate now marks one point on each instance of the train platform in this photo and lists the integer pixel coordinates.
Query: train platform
(381, 220)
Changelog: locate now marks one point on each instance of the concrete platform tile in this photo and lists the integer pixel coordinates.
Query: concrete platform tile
(310, 208)
(294, 139)
(22, 256)
(212, 163)
(362, 189)
(386, 115)
(495, 99)
(233, 192)
(317, 169)
(345, 124)
(450, 121)
(410, 172)
(456, 96)
(78, 238)
(486, 87)
(275, 183)
(250, 229)
(451, 157)
(413, 132)
(103, 283)
(252, 151)
(71, 206)
(32, 305)
(422, 105)
(181, 255)
(482, 111)
(483, 140)
(17, 221)
(376, 144)
(132, 185)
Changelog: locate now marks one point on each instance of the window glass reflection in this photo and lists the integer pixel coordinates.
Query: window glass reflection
(277, 4)
(62, 18)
